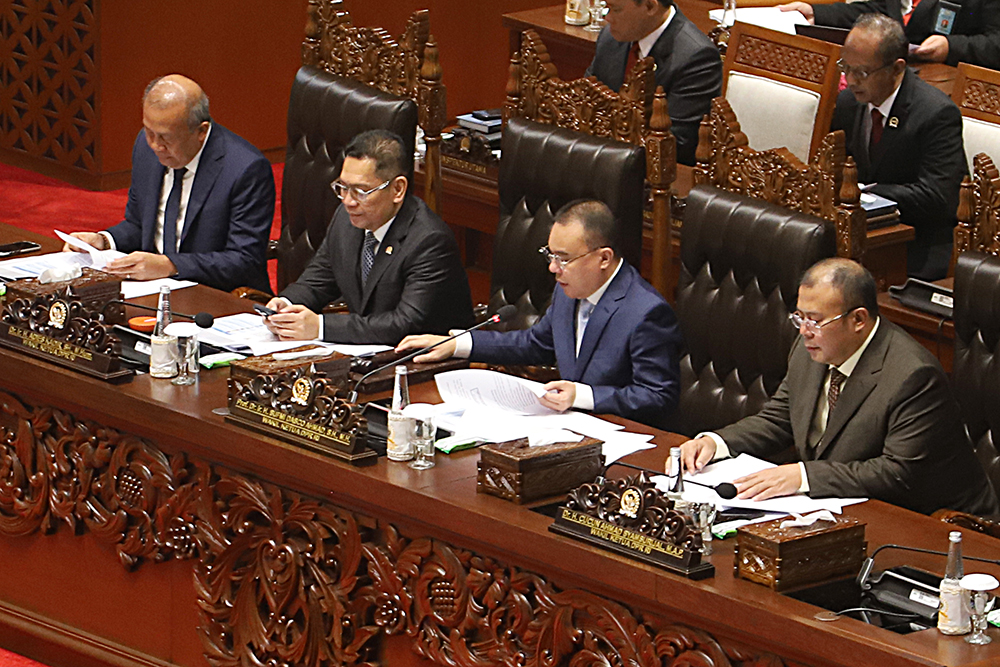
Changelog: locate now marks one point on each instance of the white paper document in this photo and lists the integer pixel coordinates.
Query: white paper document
(765, 17)
(472, 388)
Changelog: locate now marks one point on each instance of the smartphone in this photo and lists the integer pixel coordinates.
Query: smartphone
(18, 248)
(264, 310)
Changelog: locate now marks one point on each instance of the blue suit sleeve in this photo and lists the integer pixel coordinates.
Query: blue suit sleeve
(532, 346)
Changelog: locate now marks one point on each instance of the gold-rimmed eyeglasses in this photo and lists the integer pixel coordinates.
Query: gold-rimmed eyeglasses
(858, 73)
(560, 262)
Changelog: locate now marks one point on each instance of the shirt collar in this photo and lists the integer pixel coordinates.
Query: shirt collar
(886, 107)
(646, 43)
(848, 366)
(599, 292)
(383, 230)
(192, 166)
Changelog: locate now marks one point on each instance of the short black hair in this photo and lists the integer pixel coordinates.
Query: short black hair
(667, 4)
(892, 41)
(854, 282)
(599, 228)
(385, 148)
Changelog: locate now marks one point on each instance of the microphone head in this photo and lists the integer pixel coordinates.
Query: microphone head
(204, 320)
(507, 312)
(726, 490)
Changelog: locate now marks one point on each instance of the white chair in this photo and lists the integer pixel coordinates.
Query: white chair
(977, 94)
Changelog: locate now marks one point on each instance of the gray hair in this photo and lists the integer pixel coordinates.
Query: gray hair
(197, 109)
(892, 42)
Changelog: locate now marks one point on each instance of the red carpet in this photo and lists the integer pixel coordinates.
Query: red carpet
(40, 204)
(8, 659)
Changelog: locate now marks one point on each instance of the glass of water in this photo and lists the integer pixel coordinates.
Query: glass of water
(424, 434)
(187, 352)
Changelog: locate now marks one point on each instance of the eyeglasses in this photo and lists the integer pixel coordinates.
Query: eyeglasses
(857, 72)
(560, 262)
(812, 326)
(357, 193)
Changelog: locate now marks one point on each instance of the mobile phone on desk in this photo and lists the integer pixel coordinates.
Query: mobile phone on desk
(18, 248)
(264, 310)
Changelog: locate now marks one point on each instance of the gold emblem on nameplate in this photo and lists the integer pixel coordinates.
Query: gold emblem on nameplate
(301, 390)
(58, 312)
(629, 505)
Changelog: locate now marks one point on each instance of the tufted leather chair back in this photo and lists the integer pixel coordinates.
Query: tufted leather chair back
(976, 370)
(324, 113)
(741, 262)
(543, 168)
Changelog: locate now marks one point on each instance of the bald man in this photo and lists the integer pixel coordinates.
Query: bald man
(201, 201)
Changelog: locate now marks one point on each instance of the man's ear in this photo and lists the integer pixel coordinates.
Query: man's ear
(398, 188)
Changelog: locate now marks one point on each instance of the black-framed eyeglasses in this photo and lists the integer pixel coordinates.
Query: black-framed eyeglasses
(812, 326)
(560, 262)
(357, 193)
(857, 72)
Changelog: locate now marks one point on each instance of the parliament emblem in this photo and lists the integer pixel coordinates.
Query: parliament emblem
(893, 122)
(301, 391)
(629, 505)
(388, 250)
(58, 313)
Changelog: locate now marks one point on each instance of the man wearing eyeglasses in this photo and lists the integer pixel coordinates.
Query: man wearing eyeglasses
(906, 137)
(614, 339)
(391, 259)
(867, 409)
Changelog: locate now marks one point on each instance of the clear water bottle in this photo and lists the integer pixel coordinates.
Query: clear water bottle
(953, 614)
(163, 348)
(728, 13)
(399, 445)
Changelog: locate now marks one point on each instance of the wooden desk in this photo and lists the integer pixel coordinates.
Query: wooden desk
(386, 563)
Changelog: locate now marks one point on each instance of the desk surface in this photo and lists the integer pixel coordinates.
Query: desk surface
(434, 541)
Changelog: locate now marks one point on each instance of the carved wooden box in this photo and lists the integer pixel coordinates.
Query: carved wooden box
(335, 367)
(514, 471)
(94, 289)
(785, 558)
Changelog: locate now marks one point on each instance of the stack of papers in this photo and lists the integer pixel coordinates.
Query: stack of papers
(245, 333)
(765, 17)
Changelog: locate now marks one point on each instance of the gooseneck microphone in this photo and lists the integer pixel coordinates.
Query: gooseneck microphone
(501, 315)
(203, 320)
(725, 490)
(865, 580)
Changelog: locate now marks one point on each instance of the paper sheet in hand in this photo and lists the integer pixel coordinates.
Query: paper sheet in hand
(32, 266)
(765, 17)
(481, 388)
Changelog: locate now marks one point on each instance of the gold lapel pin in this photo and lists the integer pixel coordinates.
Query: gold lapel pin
(893, 122)
(388, 250)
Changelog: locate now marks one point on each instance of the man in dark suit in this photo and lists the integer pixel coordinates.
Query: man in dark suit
(867, 409)
(971, 36)
(906, 137)
(688, 66)
(615, 340)
(389, 257)
(201, 201)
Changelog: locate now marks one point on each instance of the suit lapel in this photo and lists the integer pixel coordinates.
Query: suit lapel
(895, 124)
(563, 318)
(856, 388)
(388, 250)
(209, 167)
(599, 318)
(860, 144)
(151, 207)
(803, 409)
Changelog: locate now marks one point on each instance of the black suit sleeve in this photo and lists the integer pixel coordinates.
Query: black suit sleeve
(317, 285)
(982, 48)
(844, 14)
(765, 434)
(690, 97)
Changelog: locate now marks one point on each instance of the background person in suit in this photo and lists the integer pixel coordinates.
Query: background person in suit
(974, 36)
(906, 137)
(867, 409)
(688, 66)
(391, 259)
(215, 189)
(615, 340)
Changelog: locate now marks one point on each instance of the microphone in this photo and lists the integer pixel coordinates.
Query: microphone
(203, 320)
(501, 315)
(866, 581)
(725, 490)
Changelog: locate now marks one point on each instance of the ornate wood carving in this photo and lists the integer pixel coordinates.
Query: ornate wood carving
(48, 80)
(981, 96)
(826, 187)
(782, 59)
(979, 210)
(284, 579)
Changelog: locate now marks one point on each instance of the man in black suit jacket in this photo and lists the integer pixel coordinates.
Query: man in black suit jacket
(389, 257)
(974, 35)
(919, 159)
(688, 66)
(867, 409)
(217, 189)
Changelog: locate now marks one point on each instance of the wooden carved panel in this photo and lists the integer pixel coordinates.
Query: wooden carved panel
(48, 81)
(782, 59)
(981, 96)
(979, 209)
(284, 579)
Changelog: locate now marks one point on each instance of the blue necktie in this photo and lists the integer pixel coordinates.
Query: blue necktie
(171, 213)
(367, 256)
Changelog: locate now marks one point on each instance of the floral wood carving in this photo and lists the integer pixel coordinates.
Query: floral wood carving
(979, 210)
(825, 188)
(284, 579)
(63, 318)
(981, 96)
(778, 58)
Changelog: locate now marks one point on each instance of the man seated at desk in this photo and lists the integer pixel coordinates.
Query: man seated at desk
(867, 409)
(906, 137)
(943, 31)
(688, 66)
(201, 201)
(615, 340)
(391, 259)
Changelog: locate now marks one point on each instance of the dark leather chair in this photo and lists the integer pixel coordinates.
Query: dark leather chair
(741, 262)
(976, 372)
(542, 168)
(324, 113)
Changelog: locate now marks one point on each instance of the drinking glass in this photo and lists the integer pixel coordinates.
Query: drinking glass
(187, 352)
(424, 434)
(979, 586)
(598, 8)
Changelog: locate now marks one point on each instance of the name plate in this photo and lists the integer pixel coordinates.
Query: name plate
(64, 353)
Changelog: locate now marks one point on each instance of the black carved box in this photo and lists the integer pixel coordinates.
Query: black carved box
(515, 471)
(785, 558)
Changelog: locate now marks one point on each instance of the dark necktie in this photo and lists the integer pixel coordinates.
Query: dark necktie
(367, 256)
(836, 380)
(633, 58)
(876, 130)
(907, 15)
(171, 213)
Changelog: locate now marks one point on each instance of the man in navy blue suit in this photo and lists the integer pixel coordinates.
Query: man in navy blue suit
(614, 339)
(201, 201)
